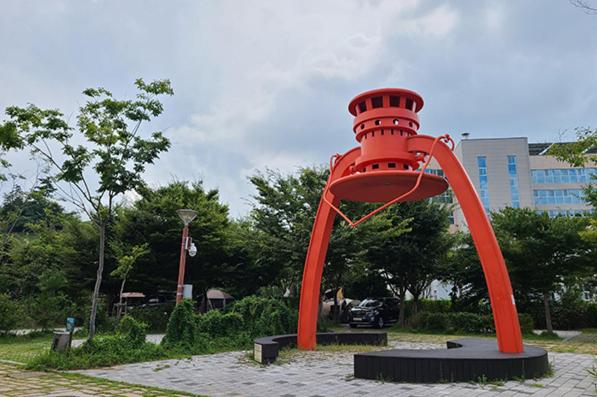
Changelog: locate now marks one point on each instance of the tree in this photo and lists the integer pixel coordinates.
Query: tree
(408, 246)
(282, 218)
(110, 161)
(462, 269)
(126, 259)
(152, 219)
(540, 251)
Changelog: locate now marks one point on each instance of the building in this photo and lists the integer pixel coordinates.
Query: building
(510, 172)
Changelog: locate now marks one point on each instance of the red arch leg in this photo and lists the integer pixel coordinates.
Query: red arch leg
(318, 246)
(494, 267)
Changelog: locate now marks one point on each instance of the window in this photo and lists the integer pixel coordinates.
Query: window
(483, 183)
(446, 197)
(513, 178)
(565, 175)
(558, 196)
(564, 212)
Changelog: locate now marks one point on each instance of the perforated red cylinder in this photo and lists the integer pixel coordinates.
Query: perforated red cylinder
(384, 119)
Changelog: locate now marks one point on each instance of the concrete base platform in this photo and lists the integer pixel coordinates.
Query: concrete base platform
(464, 360)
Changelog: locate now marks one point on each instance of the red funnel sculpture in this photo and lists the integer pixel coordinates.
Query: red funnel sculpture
(388, 167)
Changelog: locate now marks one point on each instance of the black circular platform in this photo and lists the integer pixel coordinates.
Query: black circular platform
(265, 350)
(463, 360)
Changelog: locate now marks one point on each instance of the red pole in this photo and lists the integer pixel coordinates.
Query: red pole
(181, 266)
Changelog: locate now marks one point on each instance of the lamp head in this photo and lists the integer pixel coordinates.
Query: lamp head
(187, 215)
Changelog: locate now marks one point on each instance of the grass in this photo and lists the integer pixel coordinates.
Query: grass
(23, 348)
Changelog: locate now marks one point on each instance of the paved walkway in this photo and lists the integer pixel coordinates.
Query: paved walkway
(321, 373)
(15, 382)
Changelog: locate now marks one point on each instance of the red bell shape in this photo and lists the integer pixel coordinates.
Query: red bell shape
(384, 120)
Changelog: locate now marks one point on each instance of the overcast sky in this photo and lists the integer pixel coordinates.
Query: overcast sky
(266, 83)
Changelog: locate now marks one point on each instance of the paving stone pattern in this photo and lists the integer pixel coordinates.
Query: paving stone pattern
(324, 373)
(15, 382)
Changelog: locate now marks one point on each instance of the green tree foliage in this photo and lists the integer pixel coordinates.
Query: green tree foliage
(114, 150)
(407, 246)
(11, 313)
(153, 220)
(282, 217)
(22, 208)
(541, 253)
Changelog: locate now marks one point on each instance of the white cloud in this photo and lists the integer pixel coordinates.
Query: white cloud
(267, 83)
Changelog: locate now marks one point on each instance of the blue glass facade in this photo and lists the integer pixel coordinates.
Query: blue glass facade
(513, 179)
(483, 183)
(445, 197)
(570, 175)
(558, 196)
(562, 212)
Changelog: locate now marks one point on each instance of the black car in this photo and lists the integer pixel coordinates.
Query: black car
(375, 312)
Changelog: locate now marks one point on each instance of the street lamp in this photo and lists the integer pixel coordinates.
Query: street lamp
(187, 217)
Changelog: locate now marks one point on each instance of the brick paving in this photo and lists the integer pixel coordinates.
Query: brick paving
(15, 382)
(325, 373)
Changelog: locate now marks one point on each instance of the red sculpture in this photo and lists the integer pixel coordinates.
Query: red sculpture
(388, 167)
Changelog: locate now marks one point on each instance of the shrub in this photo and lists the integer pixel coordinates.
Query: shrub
(527, 324)
(105, 350)
(132, 330)
(427, 306)
(11, 313)
(217, 324)
(156, 317)
(235, 328)
(463, 322)
(182, 326)
(436, 322)
(265, 316)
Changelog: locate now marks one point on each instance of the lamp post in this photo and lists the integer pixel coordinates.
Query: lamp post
(187, 216)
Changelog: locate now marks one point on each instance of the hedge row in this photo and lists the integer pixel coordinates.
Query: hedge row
(463, 323)
(248, 318)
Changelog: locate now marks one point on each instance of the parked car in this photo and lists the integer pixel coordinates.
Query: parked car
(376, 312)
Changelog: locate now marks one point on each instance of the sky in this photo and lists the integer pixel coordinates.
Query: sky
(266, 84)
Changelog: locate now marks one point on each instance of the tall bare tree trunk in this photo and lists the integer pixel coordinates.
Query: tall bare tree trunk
(548, 324)
(119, 312)
(401, 315)
(415, 304)
(98, 280)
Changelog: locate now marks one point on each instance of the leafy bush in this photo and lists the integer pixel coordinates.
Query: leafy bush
(106, 350)
(428, 306)
(467, 323)
(463, 323)
(265, 316)
(527, 324)
(11, 313)
(156, 317)
(182, 326)
(217, 324)
(435, 322)
(132, 330)
(248, 318)
(127, 345)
